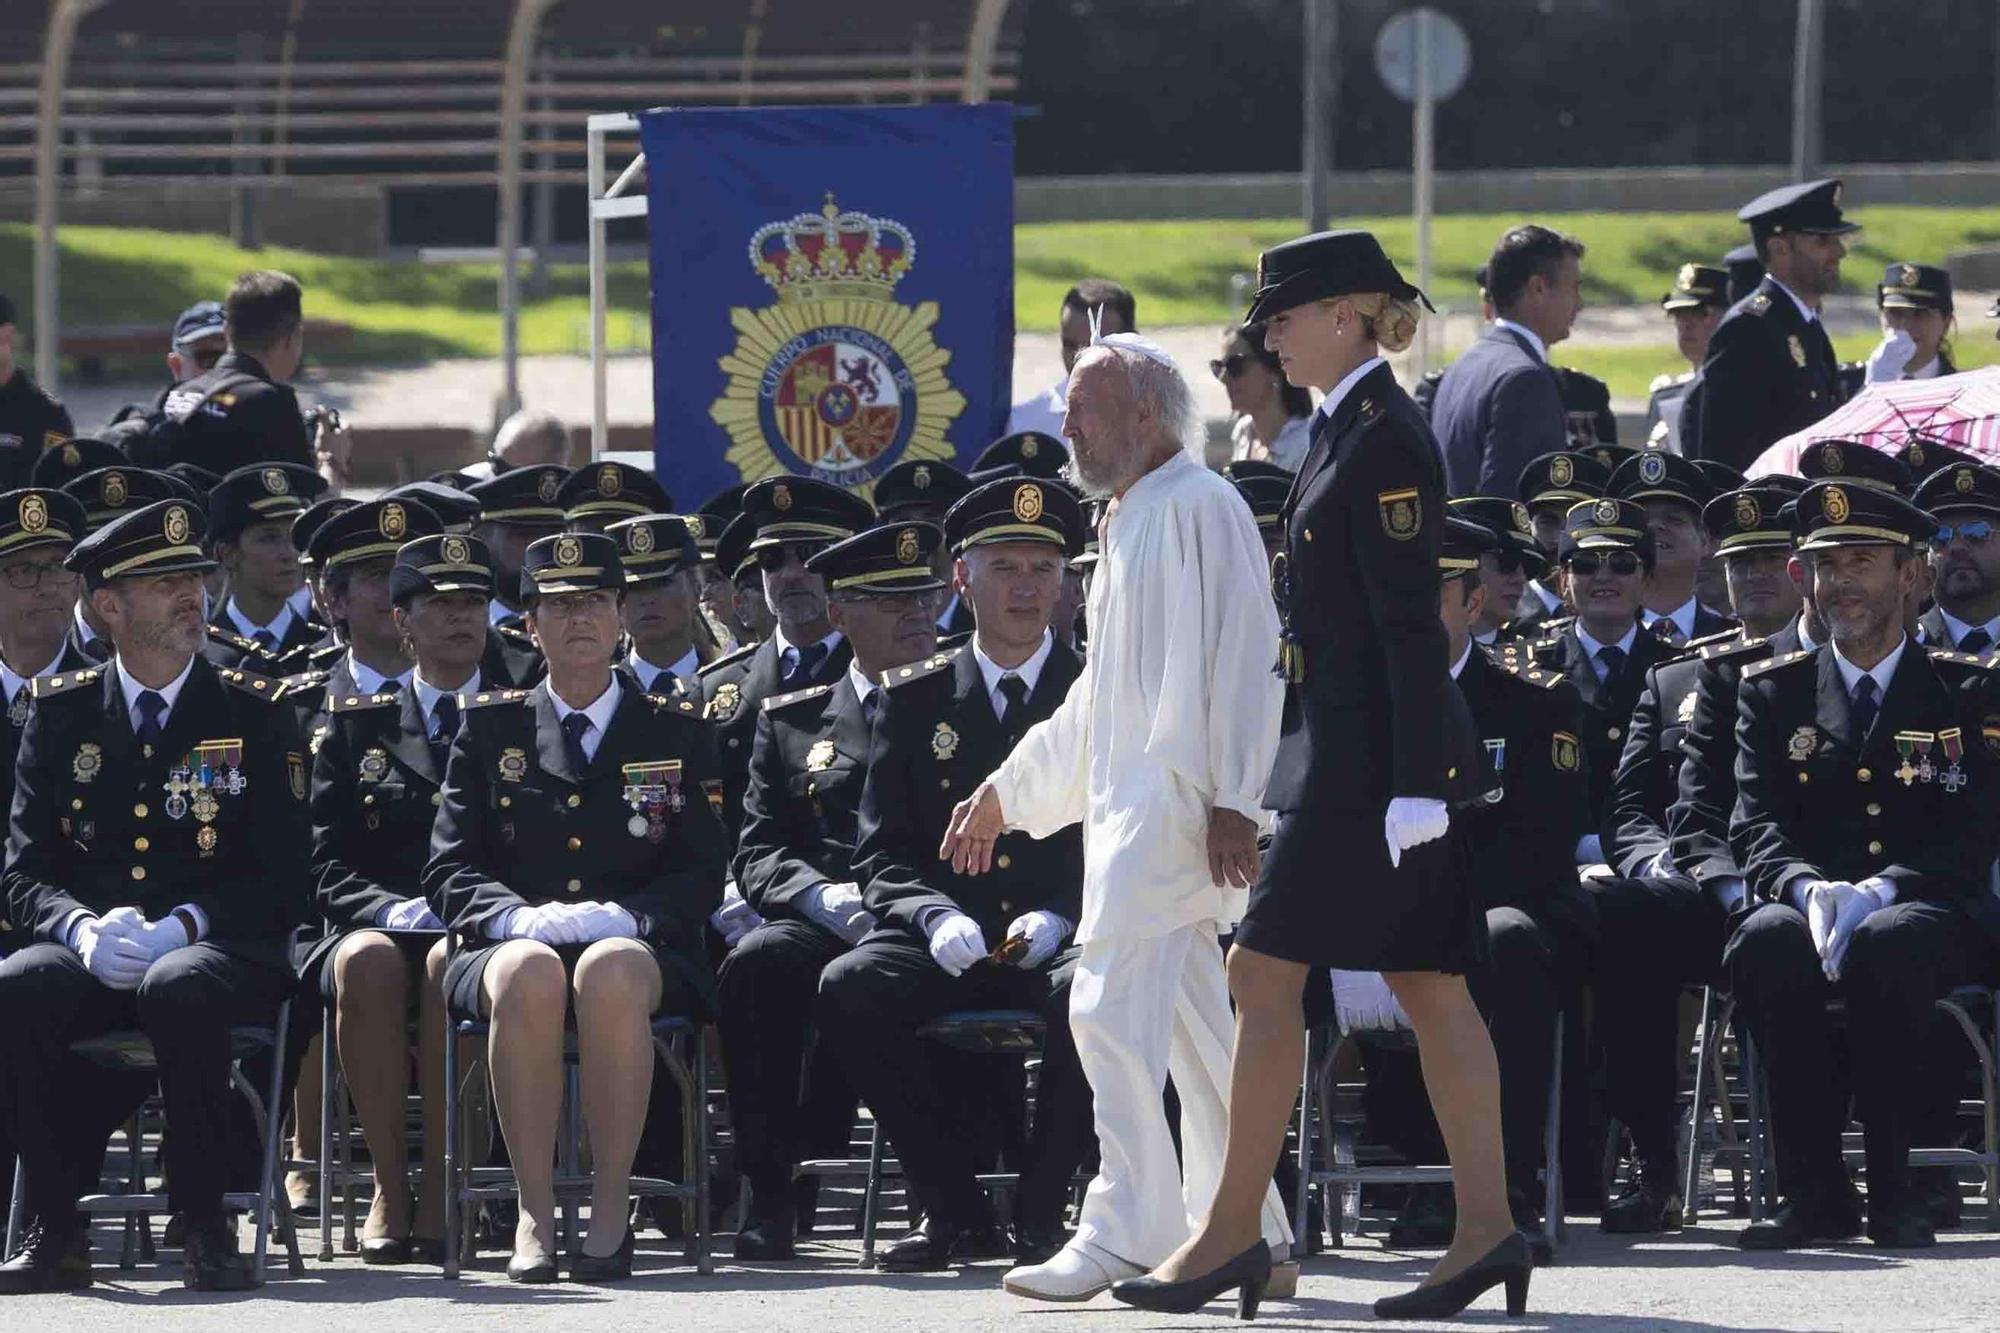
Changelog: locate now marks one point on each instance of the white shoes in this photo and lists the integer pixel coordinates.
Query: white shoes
(1071, 1275)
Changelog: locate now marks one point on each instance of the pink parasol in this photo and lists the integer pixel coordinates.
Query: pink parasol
(1962, 411)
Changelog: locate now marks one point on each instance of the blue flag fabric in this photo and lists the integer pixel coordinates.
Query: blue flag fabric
(832, 289)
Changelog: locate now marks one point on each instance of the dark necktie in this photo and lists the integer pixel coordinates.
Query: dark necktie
(804, 662)
(871, 704)
(1977, 641)
(266, 640)
(1667, 630)
(444, 727)
(1863, 707)
(665, 682)
(574, 728)
(1015, 691)
(1613, 658)
(152, 706)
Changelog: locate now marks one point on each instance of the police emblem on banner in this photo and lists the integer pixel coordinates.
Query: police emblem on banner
(836, 381)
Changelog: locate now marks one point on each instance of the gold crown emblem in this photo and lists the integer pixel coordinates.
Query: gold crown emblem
(276, 482)
(1748, 515)
(175, 525)
(639, 539)
(832, 254)
(1834, 502)
(455, 551)
(920, 477)
(393, 522)
(550, 483)
(34, 514)
(1605, 511)
(71, 455)
(569, 552)
(694, 526)
(610, 480)
(1028, 502)
(113, 490)
(1562, 471)
(1916, 454)
(1029, 447)
(906, 546)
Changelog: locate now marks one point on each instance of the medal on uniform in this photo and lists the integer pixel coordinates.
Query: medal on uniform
(820, 757)
(205, 839)
(649, 795)
(1798, 351)
(944, 741)
(180, 782)
(88, 762)
(374, 765)
(1906, 746)
(222, 765)
(1952, 742)
(1926, 771)
(1800, 747)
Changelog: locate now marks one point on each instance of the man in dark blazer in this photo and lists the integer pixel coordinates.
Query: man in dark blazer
(1500, 404)
(950, 941)
(1770, 369)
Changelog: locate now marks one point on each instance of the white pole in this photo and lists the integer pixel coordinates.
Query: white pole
(1421, 135)
(599, 394)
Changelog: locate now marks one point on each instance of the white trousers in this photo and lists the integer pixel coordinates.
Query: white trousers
(1140, 1010)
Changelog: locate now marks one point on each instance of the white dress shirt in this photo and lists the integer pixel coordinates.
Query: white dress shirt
(1682, 617)
(788, 652)
(1527, 335)
(993, 673)
(1591, 646)
(1958, 629)
(12, 682)
(685, 669)
(367, 680)
(599, 712)
(280, 623)
(1043, 412)
(864, 688)
(1463, 658)
(429, 694)
(1328, 404)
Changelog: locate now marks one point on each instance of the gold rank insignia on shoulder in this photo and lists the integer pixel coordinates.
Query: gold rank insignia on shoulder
(820, 757)
(1803, 743)
(1563, 752)
(88, 763)
(44, 686)
(1759, 303)
(513, 764)
(944, 741)
(1402, 515)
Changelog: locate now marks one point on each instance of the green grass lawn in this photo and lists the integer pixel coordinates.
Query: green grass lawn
(402, 311)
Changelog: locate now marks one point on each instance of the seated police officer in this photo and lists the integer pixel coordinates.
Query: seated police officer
(1664, 917)
(948, 941)
(1672, 490)
(378, 777)
(157, 859)
(250, 514)
(577, 858)
(661, 604)
(1506, 570)
(351, 557)
(1521, 839)
(108, 494)
(516, 509)
(1966, 499)
(605, 492)
(1867, 807)
(1550, 485)
(795, 866)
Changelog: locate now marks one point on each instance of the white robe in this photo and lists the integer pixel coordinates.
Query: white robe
(1176, 712)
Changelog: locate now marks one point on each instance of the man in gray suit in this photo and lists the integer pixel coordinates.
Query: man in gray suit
(1500, 404)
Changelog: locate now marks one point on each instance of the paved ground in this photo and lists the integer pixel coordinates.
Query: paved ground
(1695, 1282)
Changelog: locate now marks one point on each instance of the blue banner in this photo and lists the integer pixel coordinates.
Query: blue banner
(832, 290)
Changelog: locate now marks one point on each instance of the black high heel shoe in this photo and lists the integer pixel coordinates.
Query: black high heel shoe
(1249, 1272)
(613, 1267)
(1510, 1263)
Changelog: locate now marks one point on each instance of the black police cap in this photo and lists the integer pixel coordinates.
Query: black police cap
(1655, 475)
(1508, 520)
(655, 547)
(1606, 523)
(444, 562)
(316, 515)
(1812, 207)
(1750, 518)
(1034, 452)
(887, 558)
(523, 496)
(111, 492)
(920, 484)
(1914, 287)
(606, 491)
(375, 530)
(260, 493)
(63, 463)
(1745, 271)
(1323, 265)
(571, 562)
(39, 516)
(454, 507)
(714, 515)
(1839, 513)
(732, 548)
(1266, 497)
(800, 509)
(1698, 286)
(1562, 478)
(1463, 542)
(1923, 457)
(1244, 468)
(161, 538)
(1017, 509)
(199, 480)
(203, 319)
(1854, 463)
(1720, 475)
(1961, 486)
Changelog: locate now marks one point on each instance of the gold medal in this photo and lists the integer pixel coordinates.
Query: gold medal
(513, 765)
(820, 757)
(944, 741)
(1802, 744)
(89, 761)
(205, 839)
(205, 807)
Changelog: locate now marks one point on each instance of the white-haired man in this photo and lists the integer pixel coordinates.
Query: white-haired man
(1161, 751)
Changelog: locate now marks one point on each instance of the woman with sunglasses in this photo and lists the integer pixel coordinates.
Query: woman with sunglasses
(1364, 872)
(1271, 412)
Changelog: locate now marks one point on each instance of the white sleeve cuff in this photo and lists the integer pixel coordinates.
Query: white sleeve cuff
(72, 923)
(1885, 889)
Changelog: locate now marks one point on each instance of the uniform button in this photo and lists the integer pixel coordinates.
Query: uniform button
(945, 783)
(1863, 775)
(506, 801)
(733, 742)
(76, 804)
(576, 844)
(1004, 861)
(1874, 809)
(574, 800)
(1612, 732)
(139, 810)
(1802, 779)
(138, 872)
(437, 798)
(1006, 907)
(142, 844)
(1309, 534)
(1874, 849)
(369, 799)
(1451, 772)
(574, 886)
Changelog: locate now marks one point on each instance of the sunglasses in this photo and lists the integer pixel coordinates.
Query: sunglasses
(1622, 563)
(1229, 367)
(773, 558)
(1509, 562)
(1974, 532)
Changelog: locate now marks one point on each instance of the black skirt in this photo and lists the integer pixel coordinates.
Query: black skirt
(1328, 897)
(318, 971)
(463, 974)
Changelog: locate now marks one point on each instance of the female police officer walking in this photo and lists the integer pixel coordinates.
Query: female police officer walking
(1365, 731)
(578, 857)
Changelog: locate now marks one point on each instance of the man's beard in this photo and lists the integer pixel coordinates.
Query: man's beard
(1092, 488)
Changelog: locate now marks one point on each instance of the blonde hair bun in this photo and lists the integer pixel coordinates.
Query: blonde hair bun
(1391, 321)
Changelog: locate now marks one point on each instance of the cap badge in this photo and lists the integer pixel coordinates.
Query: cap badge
(1685, 279)
(176, 525)
(34, 514)
(1909, 275)
(569, 552)
(1916, 454)
(695, 527)
(549, 483)
(639, 539)
(920, 477)
(1838, 190)
(113, 491)
(1748, 515)
(1833, 458)
(1029, 446)
(1834, 502)
(455, 551)
(1652, 468)
(1522, 523)
(275, 481)
(1963, 481)
(1028, 502)
(906, 546)
(393, 523)
(1798, 351)
(781, 497)
(1562, 471)
(1605, 511)
(71, 456)
(609, 480)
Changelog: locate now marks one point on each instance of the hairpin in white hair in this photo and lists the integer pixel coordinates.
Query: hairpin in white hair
(1130, 342)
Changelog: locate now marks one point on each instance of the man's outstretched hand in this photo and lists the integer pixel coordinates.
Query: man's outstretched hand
(1232, 849)
(976, 824)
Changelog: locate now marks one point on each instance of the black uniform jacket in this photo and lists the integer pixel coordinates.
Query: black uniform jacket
(735, 688)
(30, 423)
(519, 827)
(233, 416)
(801, 810)
(1769, 372)
(100, 823)
(1916, 800)
(16, 712)
(1607, 706)
(1698, 820)
(936, 738)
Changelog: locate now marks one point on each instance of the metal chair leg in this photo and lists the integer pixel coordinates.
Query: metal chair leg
(16, 1204)
(326, 1100)
(702, 1232)
(1553, 1228)
(454, 1198)
(871, 1197)
(1753, 1085)
(135, 1183)
(1302, 1192)
(1691, 1175)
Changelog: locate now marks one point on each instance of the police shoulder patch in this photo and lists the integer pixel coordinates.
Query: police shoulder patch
(796, 696)
(256, 686)
(1787, 659)
(916, 671)
(491, 698)
(47, 687)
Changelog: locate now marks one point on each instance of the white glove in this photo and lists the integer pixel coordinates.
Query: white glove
(838, 908)
(1363, 1001)
(956, 941)
(1044, 932)
(410, 914)
(602, 921)
(111, 950)
(162, 937)
(1821, 899)
(1413, 821)
(551, 924)
(735, 918)
(1856, 903)
(1891, 356)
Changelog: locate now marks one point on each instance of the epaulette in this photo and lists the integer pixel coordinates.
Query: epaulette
(729, 659)
(262, 687)
(1720, 636)
(1726, 651)
(488, 698)
(1752, 672)
(234, 640)
(671, 704)
(952, 641)
(1532, 672)
(916, 671)
(1962, 659)
(307, 680)
(780, 700)
(1758, 304)
(520, 638)
(45, 686)
(324, 652)
(349, 703)
(1661, 381)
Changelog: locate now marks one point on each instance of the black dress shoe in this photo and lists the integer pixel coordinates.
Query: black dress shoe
(47, 1260)
(534, 1274)
(425, 1250)
(766, 1236)
(209, 1261)
(1428, 1218)
(1247, 1275)
(1820, 1218)
(1507, 1264)
(1937, 1186)
(1038, 1244)
(385, 1251)
(1648, 1206)
(613, 1267)
(1904, 1224)
(988, 1240)
(926, 1247)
